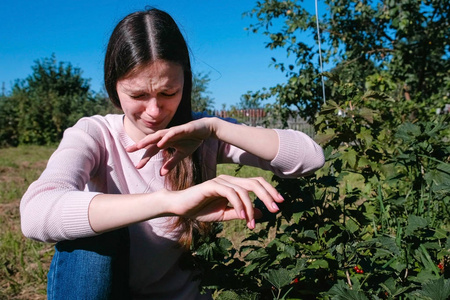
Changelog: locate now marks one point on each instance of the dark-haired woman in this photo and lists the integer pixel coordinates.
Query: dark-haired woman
(123, 194)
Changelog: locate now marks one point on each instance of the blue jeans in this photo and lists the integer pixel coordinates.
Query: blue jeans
(91, 268)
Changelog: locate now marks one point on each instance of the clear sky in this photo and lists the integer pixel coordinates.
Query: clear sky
(78, 31)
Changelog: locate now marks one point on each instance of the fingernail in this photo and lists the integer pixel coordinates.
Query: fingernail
(252, 224)
(275, 206)
(281, 197)
(243, 214)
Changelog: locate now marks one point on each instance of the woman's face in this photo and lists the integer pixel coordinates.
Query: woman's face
(150, 97)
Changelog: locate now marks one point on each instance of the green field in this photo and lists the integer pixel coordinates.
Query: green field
(24, 263)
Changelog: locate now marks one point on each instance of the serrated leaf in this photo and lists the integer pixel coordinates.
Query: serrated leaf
(350, 157)
(391, 287)
(440, 175)
(438, 289)
(323, 138)
(317, 264)
(408, 132)
(414, 223)
(377, 96)
(232, 295)
(341, 291)
(367, 114)
(258, 254)
(279, 278)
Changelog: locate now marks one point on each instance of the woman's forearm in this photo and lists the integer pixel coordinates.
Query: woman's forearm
(206, 202)
(109, 211)
(258, 141)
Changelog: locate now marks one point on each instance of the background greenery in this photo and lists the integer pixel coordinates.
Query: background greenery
(373, 223)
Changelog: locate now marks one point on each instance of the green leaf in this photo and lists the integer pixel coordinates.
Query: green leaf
(319, 263)
(366, 136)
(258, 254)
(232, 295)
(367, 114)
(250, 268)
(323, 138)
(391, 287)
(350, 157)
(408, 132)
(414, 223)
(279, 278)
(438, 289)
(351, 225)
(341, 291)
(440, 175)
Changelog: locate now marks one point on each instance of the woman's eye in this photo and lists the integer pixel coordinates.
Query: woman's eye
(169, 94)
(137, 96)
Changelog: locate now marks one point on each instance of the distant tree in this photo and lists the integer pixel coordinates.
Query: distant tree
(8, 122)
(201, 101)
(51, 99)
(248, 101)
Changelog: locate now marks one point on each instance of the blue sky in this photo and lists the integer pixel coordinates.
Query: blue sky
(78, 31)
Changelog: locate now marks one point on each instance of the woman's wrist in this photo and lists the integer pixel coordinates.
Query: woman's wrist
(214, 124)
(168, 202)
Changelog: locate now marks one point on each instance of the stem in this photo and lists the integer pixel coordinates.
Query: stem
(382, 210)
(348, 279)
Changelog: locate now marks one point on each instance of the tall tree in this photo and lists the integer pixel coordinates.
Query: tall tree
(201, 101)
(49, 100)
(400, 47)
(8, 122)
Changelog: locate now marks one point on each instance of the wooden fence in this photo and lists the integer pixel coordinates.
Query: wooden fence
(259, 117)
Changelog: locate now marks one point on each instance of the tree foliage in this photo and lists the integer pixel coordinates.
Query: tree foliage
(201, 101)
(47, 102)
(399, 47)
(374, 222)
(55, 95)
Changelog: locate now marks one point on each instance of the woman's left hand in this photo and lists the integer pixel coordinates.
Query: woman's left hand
(185, 139)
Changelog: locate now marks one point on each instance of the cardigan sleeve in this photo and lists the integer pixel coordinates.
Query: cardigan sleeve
(298, 155)
(55, 207)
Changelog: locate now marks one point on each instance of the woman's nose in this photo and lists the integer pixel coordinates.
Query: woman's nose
(153, 107)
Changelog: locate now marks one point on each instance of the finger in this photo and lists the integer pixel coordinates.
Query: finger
(247, 210)
(230, 214)
(171, 163)
(144, 143)
(268, 195)
(262, 189)
(273, 191)
(147, 141)
(151, 151)
(164, 141)
(232, 197)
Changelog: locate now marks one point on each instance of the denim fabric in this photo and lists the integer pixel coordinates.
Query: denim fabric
(91, 268)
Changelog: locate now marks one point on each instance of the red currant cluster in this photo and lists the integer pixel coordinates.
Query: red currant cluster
(441, 266)
(358, 270)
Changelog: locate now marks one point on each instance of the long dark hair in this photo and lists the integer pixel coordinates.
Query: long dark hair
(138, 40)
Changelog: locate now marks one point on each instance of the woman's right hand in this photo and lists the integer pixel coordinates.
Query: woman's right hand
(209, 201)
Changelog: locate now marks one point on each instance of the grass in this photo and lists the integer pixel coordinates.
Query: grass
(24, 263)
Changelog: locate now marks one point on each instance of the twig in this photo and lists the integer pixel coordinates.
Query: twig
(348, 279)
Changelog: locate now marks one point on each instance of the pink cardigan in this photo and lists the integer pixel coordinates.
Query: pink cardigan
(91, 159)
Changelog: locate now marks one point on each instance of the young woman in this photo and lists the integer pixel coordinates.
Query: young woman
(123, 194)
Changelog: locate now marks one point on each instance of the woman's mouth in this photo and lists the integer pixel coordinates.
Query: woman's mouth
(151, 124)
